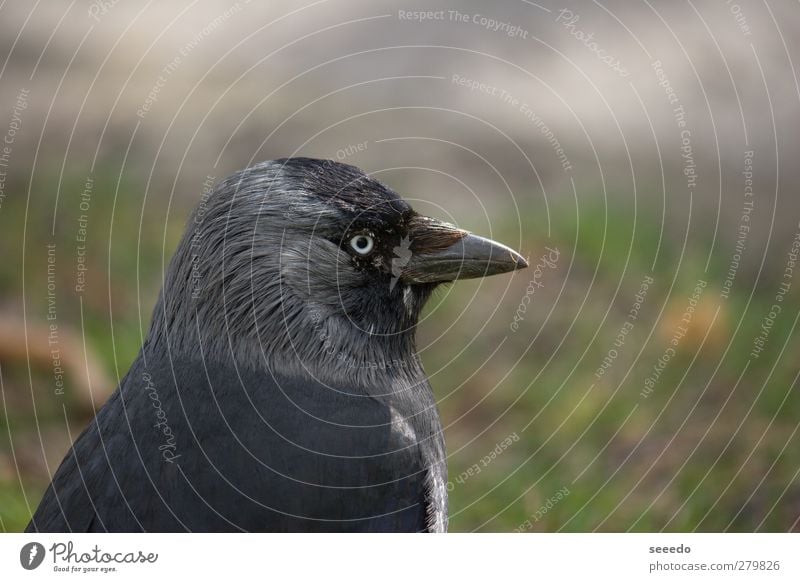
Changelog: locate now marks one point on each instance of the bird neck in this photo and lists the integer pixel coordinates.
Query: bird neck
(332, 343)
(297, 339)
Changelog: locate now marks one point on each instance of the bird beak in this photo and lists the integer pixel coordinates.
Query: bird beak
(441, 252)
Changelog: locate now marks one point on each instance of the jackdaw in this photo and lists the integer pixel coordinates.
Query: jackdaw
(279, 387)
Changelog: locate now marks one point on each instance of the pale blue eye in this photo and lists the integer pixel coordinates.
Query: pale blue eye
(362, 244)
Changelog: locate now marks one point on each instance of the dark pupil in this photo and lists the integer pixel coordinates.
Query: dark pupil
(361, 242)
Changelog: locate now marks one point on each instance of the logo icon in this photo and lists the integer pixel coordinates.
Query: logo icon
(402, 255)
(31, 555)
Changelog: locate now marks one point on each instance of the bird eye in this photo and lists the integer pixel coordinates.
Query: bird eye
(362, 244)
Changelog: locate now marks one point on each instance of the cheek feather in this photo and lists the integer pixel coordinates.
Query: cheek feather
(408, 299)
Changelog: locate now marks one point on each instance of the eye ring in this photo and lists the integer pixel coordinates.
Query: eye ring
(362, 243)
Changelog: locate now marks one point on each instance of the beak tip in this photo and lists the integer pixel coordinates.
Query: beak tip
(521, 262)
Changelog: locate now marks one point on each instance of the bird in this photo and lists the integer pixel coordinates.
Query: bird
(279, 387)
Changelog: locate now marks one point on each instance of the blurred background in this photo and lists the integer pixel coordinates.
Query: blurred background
(642, 375)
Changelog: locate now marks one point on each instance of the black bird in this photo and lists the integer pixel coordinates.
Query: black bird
(279, 388)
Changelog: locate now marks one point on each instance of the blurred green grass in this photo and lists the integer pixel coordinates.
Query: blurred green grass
(702, 452)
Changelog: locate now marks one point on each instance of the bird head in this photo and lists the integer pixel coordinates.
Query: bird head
(312, 261)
